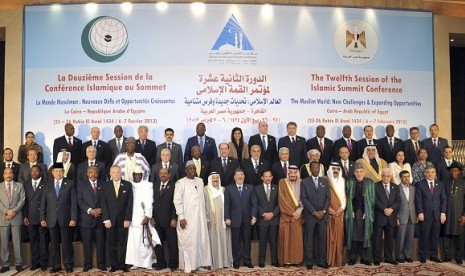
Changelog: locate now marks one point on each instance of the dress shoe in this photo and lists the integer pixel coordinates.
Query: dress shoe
(19, 268)
(435, 259)
(160, 267)
(376, 263)
(69, 270)
(43, 268)
(351, 262)
(365, 262)
(324, 265)
(275, 264)
(86, 269)
(236, 267)
(309, 267)
(102, 268)
(261, 265)
(55, 270)
(113, 269)
(173, 269)
(391, 262)
(249, 265)
(125, 269)
(458, 261)
(446, 260)
(34, 267)
(409, 260)
(422, 261)
(400, 261)
(4, 269)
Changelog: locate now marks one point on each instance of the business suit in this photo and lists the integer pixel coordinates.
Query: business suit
(267, 230)
(176, 153)
(24, 173)
(81, 175)
(271, 153)
(172, 168)
(342, 142)
(278, 171)
(434, 152)
(407, 219)
(163, 213)
(386, 152)
(61, 143)
(297, 150)
(113, 145)
(103, 152)
(117, 208)
(38, 235)
(362, 144)
(443, 169)
(240, 209)
(149, 151)
(431, 205)
(410, 151)
(92, 228)
(226, 175)
(252, 177)
(327, 154)
(14, 166)
(209, 149)
(315, 199)
(385, 223)
(204, 170)
(13, 226)
(58, 212)
(350, 167)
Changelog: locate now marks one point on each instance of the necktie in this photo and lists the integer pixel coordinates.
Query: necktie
(390, 143)
(322, 147)
(116, 185)
(346, 169)
(95, 144)
(94, 187)
(349, 145)
(264, 142)
(143, 145)
(91, 163)
(34, 186)
(169, 146)
(268, 192)
(162, 189)
(118, 144)
(431, 187)
(166, 165)
(315, 180)
(240, 191)
(201, 144)
(225, 163)
(57, 189)
(8, 166)
(386, 187)
(70, 144)
(435, 142)
(448, 163)
(197, 167)
(370, 142)
(293, 141)
(416, 147)
(256, 166)
(285, 169)
(8, 191)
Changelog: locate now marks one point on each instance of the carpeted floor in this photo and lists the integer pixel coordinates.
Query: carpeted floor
(430, 268)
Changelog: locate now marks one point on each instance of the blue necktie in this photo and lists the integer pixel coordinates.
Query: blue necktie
(240, 191)
(201, 144)
(57, 189)
(264, 143)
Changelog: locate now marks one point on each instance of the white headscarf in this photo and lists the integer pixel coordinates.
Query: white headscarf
(365, 154)
(338, 184)
(215, 192)
(65, 165)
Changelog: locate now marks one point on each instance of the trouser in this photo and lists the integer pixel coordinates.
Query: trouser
(89, 235)
(265, 234)
(64, 236)
(312, 228)
(167, 235)
(429, 236)
(358, 249)
(15, 231)
(388, 242)
(117, 237)
(241, 236)
(451, 242)
(39, 241)
(404, 241)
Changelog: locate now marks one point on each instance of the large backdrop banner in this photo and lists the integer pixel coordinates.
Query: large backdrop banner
(175, 65)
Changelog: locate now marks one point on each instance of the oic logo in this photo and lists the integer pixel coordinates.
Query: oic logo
(104, 39)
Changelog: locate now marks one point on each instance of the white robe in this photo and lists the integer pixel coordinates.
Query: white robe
(193, 242)
(139, 252)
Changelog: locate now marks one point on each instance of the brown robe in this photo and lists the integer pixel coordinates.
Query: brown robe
(290, 243)
(335, 232)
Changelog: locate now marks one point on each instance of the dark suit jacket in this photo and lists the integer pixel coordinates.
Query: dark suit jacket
(114, 148)
(116, 209)
(87, 198)
(277, 171)
(351, 166)
(314, 199)
(249, 171)
(442, 169)
(410, 152)
(265, 206)
(31, 209)
(15, 166)
(24, 173)
(297, 152)
(430, 205)
(382, 202)
(342, 142)
(81, 174)
(61, 143)
(240, 210)
(271, 153)
(149, 152)
(327, 153)
(226, 177)
(209, 153)
(103, 152)
(384, 149)
(434, 153)
(204, 171)
(59, 210)
(163, 207)
(361, 145)
(172, 168)
(176, 153)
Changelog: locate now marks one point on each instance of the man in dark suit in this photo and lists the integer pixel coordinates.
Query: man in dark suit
(368, 140)
(442, 167)
(279, 169)
(58, 212)
(116, 203)
(38, 235)
(412, 146)
(166, 163)
(206, 144)
(240, 210)
(345, 141)
(254, 166)
(389, 145)
(431, 207)
(145, 146)
(82, 174)
(165, 218)
(224, 165)
(175, 148)
(103, 150)
(323, 144)
(90, 219)
(434, 145)
(9, 163)
(347, 165)
(24, 173)
(266, 142)
(315, 197)
(387, 202)
(69, 143)
(267, 218)
(296, 145)
(117, 145)
(202, 167)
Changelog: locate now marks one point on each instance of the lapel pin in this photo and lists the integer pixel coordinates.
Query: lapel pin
(124, 191)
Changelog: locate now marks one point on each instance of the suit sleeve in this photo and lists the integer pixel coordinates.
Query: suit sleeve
(104, 203)
(378, 202)
(443, 200)
(253, 204)
(26, 206)
(328, 198)
(418, 199)
(82, 204)
(276, 207)
(74, 207)
(187, 151)
(396, 204)
(260, 210)
(129, 206)
(227, 204)
(43, 204)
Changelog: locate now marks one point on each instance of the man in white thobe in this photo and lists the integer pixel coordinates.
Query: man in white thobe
(139, 251)
(193, 241)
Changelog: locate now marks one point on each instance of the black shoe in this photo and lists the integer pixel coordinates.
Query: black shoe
(352, 262)
(391, 262)
(261, 265)
(249, 265)
(43, 268)
(102, 268)
(69, 270)
(55, 270)
(4, 269)
(160, 267)
(125, 269)
(86, 269)
(34, 267)
(458, 261)
(275, 264)
(324, 266)
(446, 260)
(113, 269)
(409, 260)
(400, 261)
(422, 261)
(309, 267)
(376, 263)
(435, 259)
(173, 269)
(365, 262)
(19, 268)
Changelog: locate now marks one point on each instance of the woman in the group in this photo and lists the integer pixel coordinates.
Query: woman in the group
(237, 147)
(30, 144)
(398, 166)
